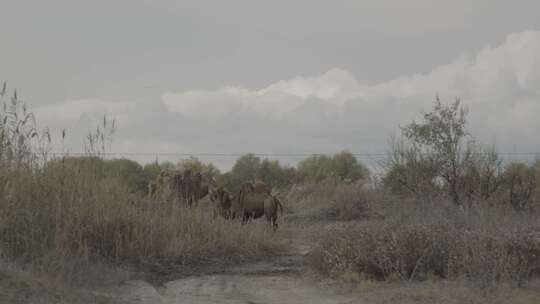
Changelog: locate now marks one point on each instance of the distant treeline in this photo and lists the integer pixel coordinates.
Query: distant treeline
(343, 166)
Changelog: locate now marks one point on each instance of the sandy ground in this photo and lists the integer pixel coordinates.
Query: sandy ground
(234, 289)
(280, 280)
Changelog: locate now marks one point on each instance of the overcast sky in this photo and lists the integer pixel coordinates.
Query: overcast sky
(291, 76)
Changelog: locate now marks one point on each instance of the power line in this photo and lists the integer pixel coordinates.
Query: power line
(213, 154)
(259, 154)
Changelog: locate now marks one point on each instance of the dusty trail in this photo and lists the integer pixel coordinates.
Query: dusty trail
(280, 280)
(235, 289)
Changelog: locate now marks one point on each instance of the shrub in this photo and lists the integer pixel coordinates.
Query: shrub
(520, 186)
(410, 172)
(195, 165)
(335, 199)
(82, 211)
(352, 202)
(454, 246)
(407, 252)
(343, 166)
(152, 170)
(128, 172)
(438, 155)
(250, 167)
(65, 213)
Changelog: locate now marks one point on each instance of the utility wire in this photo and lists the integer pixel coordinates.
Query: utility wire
(260, 154)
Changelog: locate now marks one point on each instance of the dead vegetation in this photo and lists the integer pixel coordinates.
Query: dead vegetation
(451, 211)
(333, 199)
(54, 215)
(62, 217)
(447, 245)
(441, 216)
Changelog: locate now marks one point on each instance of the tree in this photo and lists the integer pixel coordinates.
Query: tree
(441, 145)
(250, 167)
(410, 171)
(314, 168)
(193, 164)
(129, 172)
(343, 166)
(273, 174)
(245, 169)
(153, 169)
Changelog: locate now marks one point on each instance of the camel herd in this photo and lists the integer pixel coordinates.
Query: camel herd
(253, 200)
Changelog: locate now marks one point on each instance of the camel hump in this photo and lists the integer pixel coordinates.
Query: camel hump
(260, 187)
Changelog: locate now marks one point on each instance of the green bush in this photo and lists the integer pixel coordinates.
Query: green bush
(250, 167)
(195, 165)
(127, 172)
(343, 166)
(152, 170)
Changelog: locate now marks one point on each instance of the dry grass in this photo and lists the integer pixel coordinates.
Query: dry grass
(62, 218)
(334, 200)
(442, 292)
(487, 247)
(20, 285)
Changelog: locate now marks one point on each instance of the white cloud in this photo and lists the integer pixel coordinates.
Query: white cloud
(333, 111)
(78, 117)
(76, 109)
(276, 100)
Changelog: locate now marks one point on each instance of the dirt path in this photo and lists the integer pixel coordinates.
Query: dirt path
(280, 280)
(235, 289)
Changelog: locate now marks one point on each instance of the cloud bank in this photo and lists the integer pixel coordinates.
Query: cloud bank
(326, 113)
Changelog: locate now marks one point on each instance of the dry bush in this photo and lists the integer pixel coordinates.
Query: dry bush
(22, 285)
(520, 186)
(352, 202)
(61, 214)
(334, 199)
(378, 251)
(485, 247)
(299, 192)
(445, 292)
